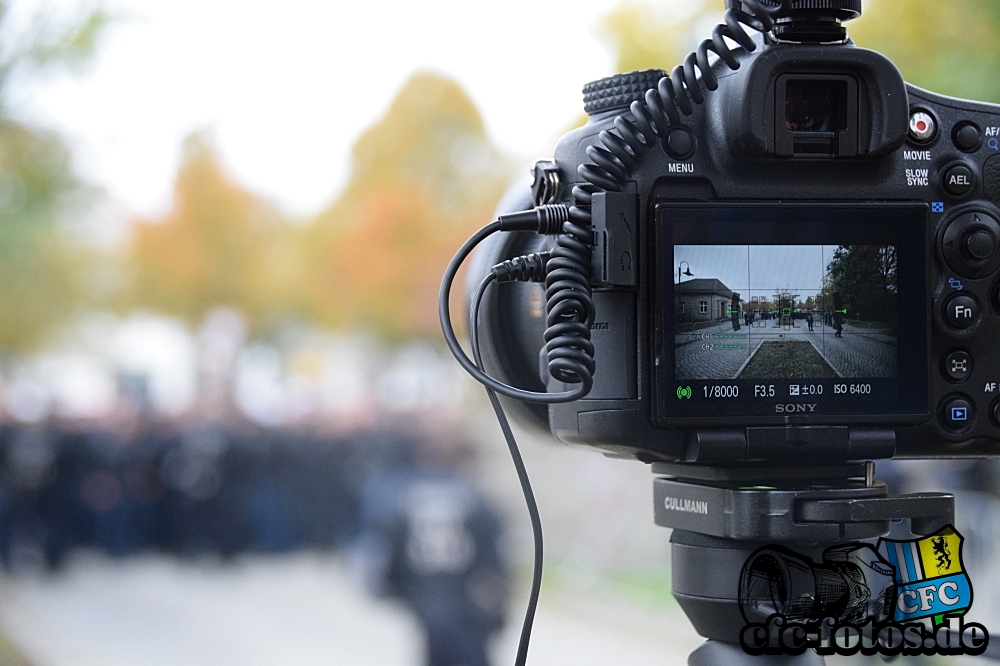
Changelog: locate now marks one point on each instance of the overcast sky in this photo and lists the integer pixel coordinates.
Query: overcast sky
(285, 88)
(757, 270)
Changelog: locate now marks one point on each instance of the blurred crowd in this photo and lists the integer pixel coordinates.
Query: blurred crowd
(416, 525)
(211, 490)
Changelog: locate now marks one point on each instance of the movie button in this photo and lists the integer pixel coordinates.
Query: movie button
(961, 312)
(922, 126)
(959, 180)
(958, 413)
(680, 143)
(958, 365)
(967, 137)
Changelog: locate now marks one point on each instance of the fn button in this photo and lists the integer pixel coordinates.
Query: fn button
(961, 312)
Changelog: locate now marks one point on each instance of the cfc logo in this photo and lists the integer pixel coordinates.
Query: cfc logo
(930, 576)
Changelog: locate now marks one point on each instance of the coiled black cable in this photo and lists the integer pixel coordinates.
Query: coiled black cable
(569, 302)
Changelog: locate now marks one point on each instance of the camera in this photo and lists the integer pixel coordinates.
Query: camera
(792, 257)
(759, 273)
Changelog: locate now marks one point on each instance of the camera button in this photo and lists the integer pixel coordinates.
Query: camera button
(957, 366)
(959, 180)
(679, 143)
(979, 245)
(958, 413)
(961, 312)
(972, 244)
(967, 137)
(923, 127)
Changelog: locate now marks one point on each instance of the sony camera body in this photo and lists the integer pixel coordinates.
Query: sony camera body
(805, 268)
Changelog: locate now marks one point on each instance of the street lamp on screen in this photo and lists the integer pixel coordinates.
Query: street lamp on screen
(686, 271)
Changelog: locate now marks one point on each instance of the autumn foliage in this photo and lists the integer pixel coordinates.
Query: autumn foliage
(426, 175)
(422, 179)
(220, 245)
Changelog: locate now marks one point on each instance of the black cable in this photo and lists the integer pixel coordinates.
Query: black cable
(569, 304)
(522, 475)
(444, 314)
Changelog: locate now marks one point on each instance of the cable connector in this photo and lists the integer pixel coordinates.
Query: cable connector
(546, 220)
(526, 268)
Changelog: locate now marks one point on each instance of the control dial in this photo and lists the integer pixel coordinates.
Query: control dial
(972, 244)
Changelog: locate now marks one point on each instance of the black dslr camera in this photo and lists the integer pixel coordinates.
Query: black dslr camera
(794, 258)
(761, 273)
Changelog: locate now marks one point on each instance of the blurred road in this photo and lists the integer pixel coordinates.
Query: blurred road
(301, 609)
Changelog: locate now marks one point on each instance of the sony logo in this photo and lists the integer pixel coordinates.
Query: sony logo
(792, 408)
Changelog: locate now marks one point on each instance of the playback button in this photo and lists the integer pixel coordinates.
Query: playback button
(961, 312)
(957, 414)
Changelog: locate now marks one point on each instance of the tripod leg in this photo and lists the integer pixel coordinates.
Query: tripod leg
(713, 653)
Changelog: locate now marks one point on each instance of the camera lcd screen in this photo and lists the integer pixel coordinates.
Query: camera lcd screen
(793, 310)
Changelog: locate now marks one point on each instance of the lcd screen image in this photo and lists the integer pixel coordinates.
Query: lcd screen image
(785, 312)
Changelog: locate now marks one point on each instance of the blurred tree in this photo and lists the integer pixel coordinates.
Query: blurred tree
(422, 179)
(219, 245)
(949, 47)
(865, 277)
(648, 35)
(40, 271)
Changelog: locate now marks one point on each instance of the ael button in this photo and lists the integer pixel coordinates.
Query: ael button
(958, 413)
(959, 180)
(961, 312)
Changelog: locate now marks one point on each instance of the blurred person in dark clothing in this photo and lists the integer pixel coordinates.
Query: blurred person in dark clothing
(431, 539)
(29, 499)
